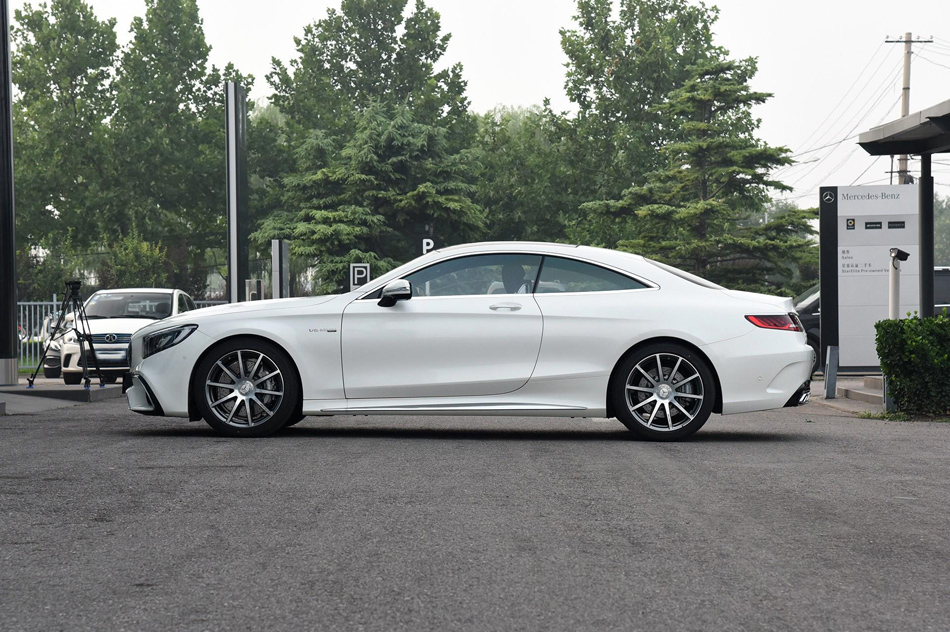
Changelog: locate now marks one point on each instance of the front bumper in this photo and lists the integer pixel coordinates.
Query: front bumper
(140, 397)
(160, 384)
(113, 359)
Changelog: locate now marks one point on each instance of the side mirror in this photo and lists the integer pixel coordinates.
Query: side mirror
(394, 291)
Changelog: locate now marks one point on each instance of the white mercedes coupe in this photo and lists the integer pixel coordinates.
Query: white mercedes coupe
(508, 328)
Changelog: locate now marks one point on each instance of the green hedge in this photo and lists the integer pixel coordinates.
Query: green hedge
(915, 359)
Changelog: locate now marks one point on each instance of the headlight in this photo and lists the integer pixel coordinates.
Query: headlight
(167, 338)
(69, 336)
(55, 346)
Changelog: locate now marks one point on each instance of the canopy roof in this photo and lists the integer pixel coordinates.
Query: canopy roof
(924, 132)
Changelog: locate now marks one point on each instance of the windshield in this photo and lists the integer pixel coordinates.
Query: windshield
(129, 305)
(806, 296)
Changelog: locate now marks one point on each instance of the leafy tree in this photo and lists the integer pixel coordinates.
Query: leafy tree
(368, 52)
(523, 183)
(169, 132)
(705, 211)
(941, 230)
(624, 58)
(394, 180)
(133, 262)
(62, 68)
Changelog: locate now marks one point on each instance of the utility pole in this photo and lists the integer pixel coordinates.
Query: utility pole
(908, 42)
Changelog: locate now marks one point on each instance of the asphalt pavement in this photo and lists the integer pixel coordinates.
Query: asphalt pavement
(801, 519)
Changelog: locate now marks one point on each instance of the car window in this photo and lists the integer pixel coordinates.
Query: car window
(476, 275)
(190, 303)
(182, 305)
(129, 305)
(569, 275)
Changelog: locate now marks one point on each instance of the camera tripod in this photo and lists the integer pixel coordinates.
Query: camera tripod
(73, 303)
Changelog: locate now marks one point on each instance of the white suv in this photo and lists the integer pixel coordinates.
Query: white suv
(114, 315)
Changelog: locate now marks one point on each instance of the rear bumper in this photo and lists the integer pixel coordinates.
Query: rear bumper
(800, 397)
(762, 370)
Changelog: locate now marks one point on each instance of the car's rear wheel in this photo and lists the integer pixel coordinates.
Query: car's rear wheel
(247, 387)
(663, 392)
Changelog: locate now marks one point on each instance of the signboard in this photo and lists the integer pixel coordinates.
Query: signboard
(859, 226)
(426, 245)
(359, 275)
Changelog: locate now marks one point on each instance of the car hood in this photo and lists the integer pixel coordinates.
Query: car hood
(237, 309)
(118, 325)
(784, 304)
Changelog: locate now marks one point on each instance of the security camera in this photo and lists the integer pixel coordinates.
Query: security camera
(900, 255)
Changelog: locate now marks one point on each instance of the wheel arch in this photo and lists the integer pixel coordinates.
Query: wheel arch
(193, 413)
(717, 403)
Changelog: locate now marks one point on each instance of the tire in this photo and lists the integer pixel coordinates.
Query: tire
(109, 379)
(247, 387)
(72, 378)
(665, 408)
(817, 363)
(295, 419)
(52, 372)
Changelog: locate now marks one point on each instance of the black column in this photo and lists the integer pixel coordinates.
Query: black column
(238, 191)
(9, 343)
(926, 238)
(828, 266)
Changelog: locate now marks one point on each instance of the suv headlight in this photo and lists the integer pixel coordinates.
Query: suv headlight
(165, 339)
(69, 336)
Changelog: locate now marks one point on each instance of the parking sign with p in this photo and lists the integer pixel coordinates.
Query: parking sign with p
(359, 275)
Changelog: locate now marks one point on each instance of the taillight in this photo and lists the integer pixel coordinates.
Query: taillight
(783, 322)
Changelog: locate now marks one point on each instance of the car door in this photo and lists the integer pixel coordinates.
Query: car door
(452, 338)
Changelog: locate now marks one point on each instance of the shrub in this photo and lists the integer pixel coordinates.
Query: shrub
(915, 359)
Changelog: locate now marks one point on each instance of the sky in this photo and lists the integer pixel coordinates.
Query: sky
(825, 61)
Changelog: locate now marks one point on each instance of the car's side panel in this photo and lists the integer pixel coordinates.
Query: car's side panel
(585, 334)
(440, 346)
(311, 339)
(582, 397)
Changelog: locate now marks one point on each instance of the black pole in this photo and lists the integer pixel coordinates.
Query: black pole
(9, 342)
(238, 191)
(926, 238)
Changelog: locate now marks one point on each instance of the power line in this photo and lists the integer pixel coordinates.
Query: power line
(848, 91)
(873, 162)
(934, 62)
(849, 135)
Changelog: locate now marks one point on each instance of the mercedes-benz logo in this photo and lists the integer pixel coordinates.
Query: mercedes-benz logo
(111, 338)
(828, 197)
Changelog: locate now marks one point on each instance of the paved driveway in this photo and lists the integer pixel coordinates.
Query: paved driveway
(790, 520)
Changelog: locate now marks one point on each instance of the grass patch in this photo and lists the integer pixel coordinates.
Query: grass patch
(903, 417)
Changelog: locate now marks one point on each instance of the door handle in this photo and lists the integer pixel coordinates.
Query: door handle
(514, 307)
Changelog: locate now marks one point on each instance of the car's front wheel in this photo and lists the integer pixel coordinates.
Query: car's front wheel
(663, 392)
(246, 387)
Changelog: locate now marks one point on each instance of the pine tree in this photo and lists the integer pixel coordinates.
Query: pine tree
(705, 212)
(394, 180)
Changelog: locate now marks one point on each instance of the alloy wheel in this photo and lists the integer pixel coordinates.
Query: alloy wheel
(244, 388)
(664, 392)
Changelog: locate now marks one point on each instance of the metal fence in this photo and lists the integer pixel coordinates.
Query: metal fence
(35, 322)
